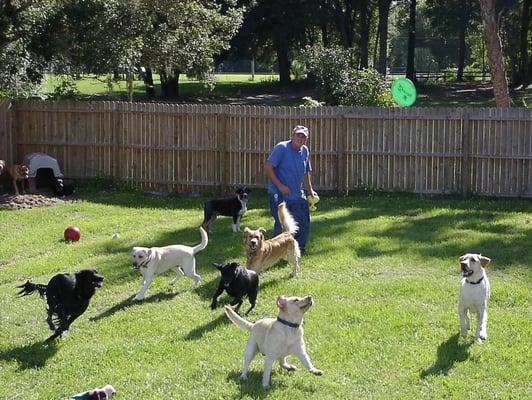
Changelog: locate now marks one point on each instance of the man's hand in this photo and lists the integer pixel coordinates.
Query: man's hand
(283, 189)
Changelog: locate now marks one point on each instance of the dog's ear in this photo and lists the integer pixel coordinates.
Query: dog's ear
(262, 230)
(281, 303)
(484, 261)
(247, 190)
(247, 231)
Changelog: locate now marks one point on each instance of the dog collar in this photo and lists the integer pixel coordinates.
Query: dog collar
(475, 283)
(287, 323)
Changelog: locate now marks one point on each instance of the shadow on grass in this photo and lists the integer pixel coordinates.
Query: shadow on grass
(130, 302)
(31, 356)
(198, 332)
(416, 227)
(449, 352)
(252, 386)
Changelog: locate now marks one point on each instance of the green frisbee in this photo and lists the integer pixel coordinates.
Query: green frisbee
(404, 92)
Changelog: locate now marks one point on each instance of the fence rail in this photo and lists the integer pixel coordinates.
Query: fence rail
(214, 147)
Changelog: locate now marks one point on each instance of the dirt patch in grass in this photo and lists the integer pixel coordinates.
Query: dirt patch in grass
(28, 201)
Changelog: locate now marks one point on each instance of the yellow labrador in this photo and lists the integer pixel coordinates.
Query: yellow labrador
(277, 338)
(155, 260)
(474, 294)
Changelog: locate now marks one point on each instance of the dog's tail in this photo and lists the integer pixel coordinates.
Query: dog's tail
(204, 241)
(237, 319)
(287, 220)
(29, 288)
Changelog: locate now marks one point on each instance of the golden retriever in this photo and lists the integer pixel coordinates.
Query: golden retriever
(262, 253)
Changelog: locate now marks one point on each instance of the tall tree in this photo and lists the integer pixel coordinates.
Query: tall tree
(451, 18)
(495, 53)
(384, 13)
(410, 59)
(524, 70)
(276, 27)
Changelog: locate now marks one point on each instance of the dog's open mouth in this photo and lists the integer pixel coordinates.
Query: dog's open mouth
(466, 271)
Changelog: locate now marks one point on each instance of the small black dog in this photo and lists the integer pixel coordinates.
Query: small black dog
(60, 188)
(237, 281)
(68, 297)
(229, 206)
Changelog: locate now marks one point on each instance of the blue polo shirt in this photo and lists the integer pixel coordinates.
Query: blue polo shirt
(290, 166)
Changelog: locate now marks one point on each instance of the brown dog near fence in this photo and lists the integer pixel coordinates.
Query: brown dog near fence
(20, 173)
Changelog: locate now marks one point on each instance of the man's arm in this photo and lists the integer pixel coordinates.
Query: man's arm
(270, 172)
(307, 182)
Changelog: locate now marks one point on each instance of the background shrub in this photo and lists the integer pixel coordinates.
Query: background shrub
(339, 83)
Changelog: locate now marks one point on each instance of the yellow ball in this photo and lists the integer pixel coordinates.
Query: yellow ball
(313, 200)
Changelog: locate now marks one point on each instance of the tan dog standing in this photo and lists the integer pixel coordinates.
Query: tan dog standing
(277, 338)
(475, 292)
(19, 172)
(262, 253)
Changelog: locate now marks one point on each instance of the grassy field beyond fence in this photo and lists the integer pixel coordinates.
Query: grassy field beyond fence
(383, 271)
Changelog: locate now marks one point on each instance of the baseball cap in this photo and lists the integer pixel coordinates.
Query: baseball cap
(300, 129)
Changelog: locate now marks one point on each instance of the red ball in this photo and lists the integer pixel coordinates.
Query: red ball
(72, 233)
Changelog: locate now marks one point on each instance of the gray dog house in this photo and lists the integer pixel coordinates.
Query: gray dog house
(42, 167)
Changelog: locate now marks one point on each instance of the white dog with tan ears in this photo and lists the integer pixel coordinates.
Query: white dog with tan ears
(277, 338)
(474, 294)
(155, 260)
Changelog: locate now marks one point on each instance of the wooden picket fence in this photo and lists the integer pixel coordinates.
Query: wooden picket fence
(178, 147)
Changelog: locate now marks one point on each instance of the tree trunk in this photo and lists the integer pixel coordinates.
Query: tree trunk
(410, 71)
(324, 35)
(384, 12)
(495, 54)
(148, 83)
(365, 23)
(284, 64)
(461, 53)
(523, 77)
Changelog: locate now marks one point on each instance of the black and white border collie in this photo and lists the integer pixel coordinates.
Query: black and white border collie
(234, 207)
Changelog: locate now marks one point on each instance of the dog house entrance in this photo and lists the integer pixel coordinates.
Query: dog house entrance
(44, 171)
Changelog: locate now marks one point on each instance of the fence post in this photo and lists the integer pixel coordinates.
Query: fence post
(466, 151)
(225, 154)
(12, 131)
(341, 154)
(116, 125)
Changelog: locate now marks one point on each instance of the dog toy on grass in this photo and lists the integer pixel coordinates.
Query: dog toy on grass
(105, 393)
(312, 201)
(72, 234)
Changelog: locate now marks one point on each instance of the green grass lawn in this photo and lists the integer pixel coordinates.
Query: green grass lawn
(226, 85)
(383, 270)
(240, 85)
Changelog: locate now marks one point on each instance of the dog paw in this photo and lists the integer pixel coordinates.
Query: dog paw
(289, 367)
(316, 371)
(243, 377)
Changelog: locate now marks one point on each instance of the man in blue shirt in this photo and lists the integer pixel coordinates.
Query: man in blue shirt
(288, 169)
